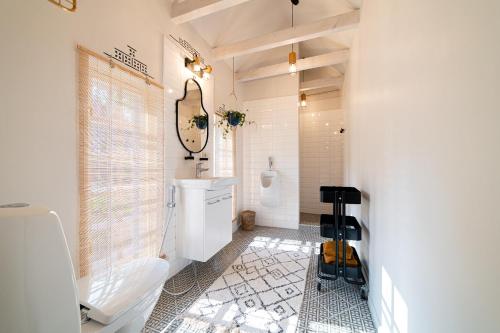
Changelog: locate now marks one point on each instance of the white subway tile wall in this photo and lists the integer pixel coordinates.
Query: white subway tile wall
(275, 133)
(321, 156)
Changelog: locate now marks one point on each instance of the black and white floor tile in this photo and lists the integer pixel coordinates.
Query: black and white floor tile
(338, 308)
(260, 292)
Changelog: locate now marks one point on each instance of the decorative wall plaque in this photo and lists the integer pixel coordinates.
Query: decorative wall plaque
(130, 60)
(188, 47)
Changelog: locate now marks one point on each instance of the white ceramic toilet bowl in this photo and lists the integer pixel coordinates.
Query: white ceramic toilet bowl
(41, 295)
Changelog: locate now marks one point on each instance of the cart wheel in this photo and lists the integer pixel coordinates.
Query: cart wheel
(364, 293)
(319, 286)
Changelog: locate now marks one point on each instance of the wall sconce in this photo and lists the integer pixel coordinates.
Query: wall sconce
(198, 68)
(303, 100)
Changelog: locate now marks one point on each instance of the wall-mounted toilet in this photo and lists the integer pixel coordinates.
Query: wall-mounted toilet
(270, 188)
(41, 295)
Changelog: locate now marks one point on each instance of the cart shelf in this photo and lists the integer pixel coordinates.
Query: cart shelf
(352, 274)
(327, 227)
(351, 194)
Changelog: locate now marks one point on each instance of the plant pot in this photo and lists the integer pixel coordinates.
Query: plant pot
(201, 122)
(233, 118)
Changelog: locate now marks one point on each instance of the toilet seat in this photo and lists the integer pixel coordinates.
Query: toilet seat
(120, 294)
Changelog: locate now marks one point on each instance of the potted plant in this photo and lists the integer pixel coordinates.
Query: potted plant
(201, 122)
(231, 119)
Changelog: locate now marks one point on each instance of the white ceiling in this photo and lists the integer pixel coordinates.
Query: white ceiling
(258, 17)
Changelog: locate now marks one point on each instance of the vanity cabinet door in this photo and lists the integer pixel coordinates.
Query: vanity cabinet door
(218, 223)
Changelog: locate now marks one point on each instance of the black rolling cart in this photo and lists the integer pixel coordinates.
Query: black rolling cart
(340, 226)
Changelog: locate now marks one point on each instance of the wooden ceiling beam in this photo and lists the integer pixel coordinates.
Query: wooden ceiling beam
(327, 59)
(335, 82)
(188, 10)
(354, 4)
(288, 36)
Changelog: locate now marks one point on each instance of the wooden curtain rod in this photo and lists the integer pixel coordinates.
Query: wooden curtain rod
(117, 64)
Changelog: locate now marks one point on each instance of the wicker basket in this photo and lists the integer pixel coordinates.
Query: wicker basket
(247, 220)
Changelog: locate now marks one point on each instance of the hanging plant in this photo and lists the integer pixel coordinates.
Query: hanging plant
(231, 119)
(201, 122)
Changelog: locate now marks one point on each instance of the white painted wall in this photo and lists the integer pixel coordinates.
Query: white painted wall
(38, 112)
(423, 146)
(321, 150)
(277, 86)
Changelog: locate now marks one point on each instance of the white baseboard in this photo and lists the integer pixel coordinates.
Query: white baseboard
(376, 320)
(236, 225)
(277, 224)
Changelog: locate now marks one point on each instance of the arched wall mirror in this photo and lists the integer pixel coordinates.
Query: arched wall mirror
(192, 119)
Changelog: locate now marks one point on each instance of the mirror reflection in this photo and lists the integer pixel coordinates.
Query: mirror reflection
(192, 119)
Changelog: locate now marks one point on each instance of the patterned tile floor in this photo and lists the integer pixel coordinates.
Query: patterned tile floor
(338, 308)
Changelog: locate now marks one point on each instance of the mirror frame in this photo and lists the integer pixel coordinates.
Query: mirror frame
(177, 117)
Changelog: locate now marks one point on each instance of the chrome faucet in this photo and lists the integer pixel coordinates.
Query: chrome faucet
(200, 169)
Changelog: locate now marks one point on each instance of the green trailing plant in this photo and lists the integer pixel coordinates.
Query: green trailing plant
(231, 119)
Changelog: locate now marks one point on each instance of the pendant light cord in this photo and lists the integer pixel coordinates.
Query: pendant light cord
(292, 22)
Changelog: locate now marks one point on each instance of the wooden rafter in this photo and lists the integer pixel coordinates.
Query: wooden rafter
(335, 82)
(288, 36)
(189, 10)
(327, 59)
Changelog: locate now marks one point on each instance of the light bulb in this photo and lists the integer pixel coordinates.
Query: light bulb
(292, 60)
(197, 63)
(207, 71)
(303, 100)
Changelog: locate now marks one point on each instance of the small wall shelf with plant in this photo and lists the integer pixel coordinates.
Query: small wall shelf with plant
(231, 119)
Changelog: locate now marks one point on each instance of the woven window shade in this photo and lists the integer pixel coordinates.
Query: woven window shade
(224, 156)
(121, 165)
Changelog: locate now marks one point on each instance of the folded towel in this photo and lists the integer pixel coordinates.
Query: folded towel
(329, 249)
(349, 262)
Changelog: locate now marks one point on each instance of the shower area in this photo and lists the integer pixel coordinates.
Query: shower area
(321, 139)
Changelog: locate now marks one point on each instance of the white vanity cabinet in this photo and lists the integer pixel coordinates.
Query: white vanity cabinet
(218, 222)
(204, 220)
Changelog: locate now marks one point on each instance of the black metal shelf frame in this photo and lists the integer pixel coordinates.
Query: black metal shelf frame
(344, 228)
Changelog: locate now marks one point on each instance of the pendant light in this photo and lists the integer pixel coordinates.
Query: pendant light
(303, 100)
(303, 96)
(292, 56)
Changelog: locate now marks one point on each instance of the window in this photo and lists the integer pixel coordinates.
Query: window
(224, 156)
(121, 165)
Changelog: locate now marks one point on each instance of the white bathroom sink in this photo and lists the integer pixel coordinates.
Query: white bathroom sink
(209, 183)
